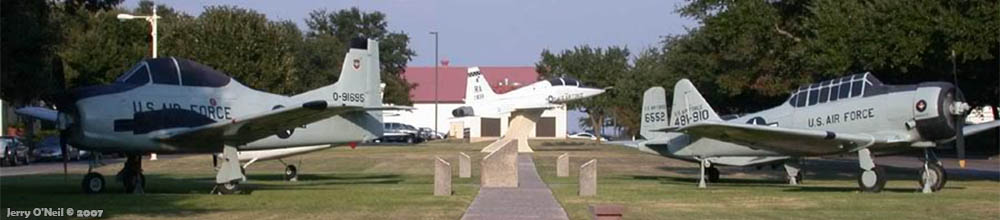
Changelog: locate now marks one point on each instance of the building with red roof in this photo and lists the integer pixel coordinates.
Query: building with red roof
(451, 95)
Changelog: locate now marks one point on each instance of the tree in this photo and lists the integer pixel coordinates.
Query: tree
(347, 24)
(755, 51)
(29, 42)
(594, 67)
(242, 43)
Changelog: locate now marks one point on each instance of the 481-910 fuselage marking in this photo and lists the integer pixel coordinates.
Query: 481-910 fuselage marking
(697, 113)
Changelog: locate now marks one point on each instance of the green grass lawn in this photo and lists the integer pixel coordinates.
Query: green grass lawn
(653, 187)
(396, 182)
(378, 182)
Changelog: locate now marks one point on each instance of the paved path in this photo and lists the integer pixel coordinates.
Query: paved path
(531, 200)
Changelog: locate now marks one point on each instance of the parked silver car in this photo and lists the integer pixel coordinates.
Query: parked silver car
(14, 152)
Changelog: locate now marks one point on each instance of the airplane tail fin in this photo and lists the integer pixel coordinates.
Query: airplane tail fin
(689, 106)
(360, 79)
(654, 113)
(476, 87)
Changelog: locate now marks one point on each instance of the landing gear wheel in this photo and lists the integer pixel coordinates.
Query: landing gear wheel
(93, 183)
(291, 173)
(713, 174)
(227, 188)
(135, 183)
(872, 180)
(937, 176)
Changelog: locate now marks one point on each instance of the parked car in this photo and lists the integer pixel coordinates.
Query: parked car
(399, 132)
(585, 135)
(429, 134)
(49, 150)
(13, 152)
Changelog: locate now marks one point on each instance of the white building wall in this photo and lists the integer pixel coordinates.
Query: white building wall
(423, 116)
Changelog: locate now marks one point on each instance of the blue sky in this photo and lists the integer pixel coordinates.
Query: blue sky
(492, 33)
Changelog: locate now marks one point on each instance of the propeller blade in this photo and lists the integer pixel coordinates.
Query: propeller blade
(65, 153)
(959, 116)
(959, 135)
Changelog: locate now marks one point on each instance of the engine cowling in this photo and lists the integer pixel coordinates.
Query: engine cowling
(933, 110)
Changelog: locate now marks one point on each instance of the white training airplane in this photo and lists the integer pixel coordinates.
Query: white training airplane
(480, 99)
(173, 105)
(853, 114)
(525, 105)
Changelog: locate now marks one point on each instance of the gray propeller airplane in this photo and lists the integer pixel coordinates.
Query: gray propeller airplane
(856, 113)
(173, 105)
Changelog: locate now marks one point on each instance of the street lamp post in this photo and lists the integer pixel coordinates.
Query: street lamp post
(435, 33)
(152, 22)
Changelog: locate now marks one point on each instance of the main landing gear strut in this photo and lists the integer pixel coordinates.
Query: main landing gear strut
(131, 176)
(932, 173)
(230, 173)
(872, 178)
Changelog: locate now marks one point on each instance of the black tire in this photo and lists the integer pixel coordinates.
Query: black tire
(713, 174)
(291, 172)
(409, 140)
(940, 175)
(227, 188)
(874, 185)
(93, 183)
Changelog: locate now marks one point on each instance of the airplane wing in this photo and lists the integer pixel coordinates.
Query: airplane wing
(976, 128)
(261, 125)
(39, 113)
(786, 140)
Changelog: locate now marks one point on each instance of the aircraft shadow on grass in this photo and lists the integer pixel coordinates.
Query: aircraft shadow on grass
(306, 181)
(27, 192)
(770, 183)
(814, 170)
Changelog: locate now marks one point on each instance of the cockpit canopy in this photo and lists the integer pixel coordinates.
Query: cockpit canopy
(173, 71)
(564, 81)
(847, 87)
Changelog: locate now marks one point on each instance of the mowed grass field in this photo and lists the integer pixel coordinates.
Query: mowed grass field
(653, 187)
(396, 182)
(370, 182)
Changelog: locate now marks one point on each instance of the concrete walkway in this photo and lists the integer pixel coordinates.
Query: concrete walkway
(531, 200)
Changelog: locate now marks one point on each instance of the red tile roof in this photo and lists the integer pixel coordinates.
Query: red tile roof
(452, 81)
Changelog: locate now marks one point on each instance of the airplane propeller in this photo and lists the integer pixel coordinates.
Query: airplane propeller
(66, 116)
(959, 107)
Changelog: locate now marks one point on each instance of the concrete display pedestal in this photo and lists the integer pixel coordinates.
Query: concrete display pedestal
(521, 126)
